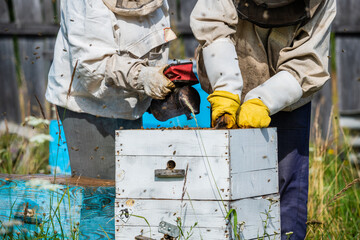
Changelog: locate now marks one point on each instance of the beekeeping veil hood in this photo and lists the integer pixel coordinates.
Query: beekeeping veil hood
(133, 7)
(277, 13)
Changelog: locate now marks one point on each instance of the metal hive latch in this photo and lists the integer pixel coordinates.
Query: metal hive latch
(168, 229)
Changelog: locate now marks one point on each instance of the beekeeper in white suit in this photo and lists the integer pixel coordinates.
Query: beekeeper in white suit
(261, 61)
(108, 62)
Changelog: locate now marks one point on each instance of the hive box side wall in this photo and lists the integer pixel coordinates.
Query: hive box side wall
(136, 178)
(209, 215)
(211, 172)
(254, 165)
(258, 216)
(194, 143)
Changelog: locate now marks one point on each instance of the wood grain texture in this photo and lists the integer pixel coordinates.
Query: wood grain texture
(9, 95)
(254, 183)
(321, 106)
(34, 78)
(253, 150)
(15, 195)
(252, 213)
(253, 162)
(129, 233)
(28, 11)
(48, 11)
(97, 213)
(8, 82)
(4, 13)
(238, 165)
(192, 143)
(24, 72)
(209, 216)
(348, 73)
(33, 30)
(347, 18)
(135, 177)
(252, 153)
(90, 207)
(64, 180)
(30, 51)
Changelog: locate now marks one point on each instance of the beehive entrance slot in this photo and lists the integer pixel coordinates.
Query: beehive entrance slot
(170, 164)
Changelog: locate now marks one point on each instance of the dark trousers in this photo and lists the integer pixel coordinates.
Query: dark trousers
(91, 142)
(293, 155)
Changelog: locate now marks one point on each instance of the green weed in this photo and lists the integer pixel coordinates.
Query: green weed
(23, 154)
(189, 233)
(334, 192)
(35, 226)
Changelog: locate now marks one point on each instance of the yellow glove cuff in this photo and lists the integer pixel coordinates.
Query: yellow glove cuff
(254, 114)
(223, 102)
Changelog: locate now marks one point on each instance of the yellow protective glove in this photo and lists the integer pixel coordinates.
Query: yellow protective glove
(254, 114)
(224, 106)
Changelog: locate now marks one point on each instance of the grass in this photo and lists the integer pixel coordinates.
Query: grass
(29, 155)
(334, 188)
(44, 226)
(22, 155)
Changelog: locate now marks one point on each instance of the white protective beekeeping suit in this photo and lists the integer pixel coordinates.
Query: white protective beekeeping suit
(107, 44)
(285, 65)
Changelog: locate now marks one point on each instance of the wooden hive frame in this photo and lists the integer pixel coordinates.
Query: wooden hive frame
(223, 170)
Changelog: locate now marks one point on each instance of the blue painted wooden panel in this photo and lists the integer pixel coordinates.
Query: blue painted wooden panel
(58, 152)
(42, 204)
(97, 213)
(88, 210)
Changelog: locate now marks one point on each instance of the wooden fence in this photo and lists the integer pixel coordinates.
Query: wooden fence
(27, 36)
(347, 32)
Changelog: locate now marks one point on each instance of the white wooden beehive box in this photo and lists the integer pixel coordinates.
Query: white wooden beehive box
(196, 176)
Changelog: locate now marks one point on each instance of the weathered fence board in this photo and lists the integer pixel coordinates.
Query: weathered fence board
(180, 16)
(9, 98)
(26, 45)
(24, 29)
(30, 51)
(321, 110)
(48, 12)
(347, 32)
(347, 17)
(348, 71)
